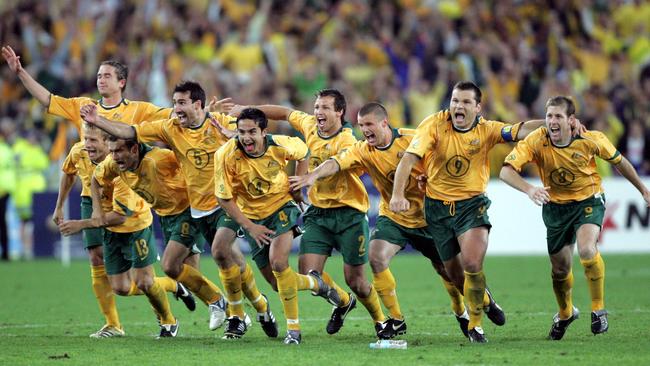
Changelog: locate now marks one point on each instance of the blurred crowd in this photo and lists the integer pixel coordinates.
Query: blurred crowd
(404, 53)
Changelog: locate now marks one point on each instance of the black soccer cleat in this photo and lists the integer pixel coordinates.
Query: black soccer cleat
(559, 326)
(338, 316)
(599, 323)
(463, 323)
(494, 311)
(186, 296)
(267, 321)
(476, 335)
(236, 328)
(168, 330)
(392, 328)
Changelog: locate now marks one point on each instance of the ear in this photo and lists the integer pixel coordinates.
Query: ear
(121, 83)
(478, 108)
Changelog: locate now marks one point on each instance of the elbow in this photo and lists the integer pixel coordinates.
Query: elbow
(506, 170)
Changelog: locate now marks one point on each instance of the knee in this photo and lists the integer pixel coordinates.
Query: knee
(96, 256)
(587, 251)
(378, 263)
(559, 272)
(279, 265)
(172, 269)
(358, 284)
(121, 289)
(144, 284)
(473, 266)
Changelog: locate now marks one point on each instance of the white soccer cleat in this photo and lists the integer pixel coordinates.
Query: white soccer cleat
(108, 331)
(217, 313)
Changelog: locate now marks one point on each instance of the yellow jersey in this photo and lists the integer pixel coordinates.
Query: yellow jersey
(118, 197)
(344, 188)
(259, 184)
(194, 149)
(127, 111)
(380, 164)
(78, 162)
(157, 179)
(459, 167)
(569, 171)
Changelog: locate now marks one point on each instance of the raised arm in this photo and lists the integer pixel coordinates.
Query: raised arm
(627, 170)
(37, 90)
(260, 233)
(118, 129)
(329, 167)
(539, 195)
(399, 203)
(65, 185)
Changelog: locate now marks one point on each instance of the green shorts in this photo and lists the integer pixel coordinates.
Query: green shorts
(563, 220)
(283, 220)
(182, 229)
(394, 233)
(91, 237)
(208, 225)
(123, 251)
(342, 228)
(447, 221)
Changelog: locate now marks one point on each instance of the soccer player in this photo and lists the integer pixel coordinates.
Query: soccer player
(111, 81)
(455, 203)
(253, 188)
(379, 156)
(336, 218)
(573, 203)
(154, 174)
(194, 139)
(128, 243)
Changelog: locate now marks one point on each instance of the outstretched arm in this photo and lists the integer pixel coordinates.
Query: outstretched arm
(627, 170)
(276, 112)
(329, 167)
(118, 129)
(539, 195)
(37, 90)
(399, 203)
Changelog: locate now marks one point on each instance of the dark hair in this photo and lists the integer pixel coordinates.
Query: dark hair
(468, 85)
(196, 91)
(256, 115)
(339, 100)
(121, 70)
(375, 108)
(566, 102)
(128, 142)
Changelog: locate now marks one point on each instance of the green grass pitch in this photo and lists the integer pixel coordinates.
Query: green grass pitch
(47, 313)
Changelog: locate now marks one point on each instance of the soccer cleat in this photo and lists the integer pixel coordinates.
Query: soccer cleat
(108, 331)
(599, 323)
(463, 322)
(338, 315)
(187, 297)
(494, 311)
(392, 328)
(559, 326)
(378, 328)
(168, 330)
(476, 335)
(292, 337)
(267, 321)
(324, 290)
(236, 328)
(217, 312)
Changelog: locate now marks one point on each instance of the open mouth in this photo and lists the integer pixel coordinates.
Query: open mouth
(182, 117)
(249, 147)
(459, 117)
(371, 138)
(321, 121)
